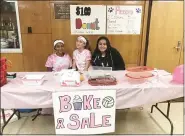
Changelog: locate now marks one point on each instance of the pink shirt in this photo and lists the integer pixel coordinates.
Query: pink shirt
(58, 63)
(81, 58)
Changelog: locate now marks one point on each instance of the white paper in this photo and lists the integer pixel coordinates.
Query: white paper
(98, 12)
(161, 73)
(70, 78)
(74, 103)
(34, 77)
(124, 19)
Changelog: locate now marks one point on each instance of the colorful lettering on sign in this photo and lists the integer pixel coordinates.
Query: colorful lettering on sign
(65, 106)
(83, 123)
(60, 123)
(87, 103)
(84, 104)
(126, 12)
(92, 25)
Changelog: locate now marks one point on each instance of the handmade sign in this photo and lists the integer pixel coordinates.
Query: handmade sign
(88, 19)
(124, 19)
(84, 112)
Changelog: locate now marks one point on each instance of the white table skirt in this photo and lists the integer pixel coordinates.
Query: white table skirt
(16, 95)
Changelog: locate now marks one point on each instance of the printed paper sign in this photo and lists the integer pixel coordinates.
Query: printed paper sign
(124, 19)
(84, 112)
(88, 19)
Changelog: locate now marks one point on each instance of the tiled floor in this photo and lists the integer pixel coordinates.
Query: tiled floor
(132, 121)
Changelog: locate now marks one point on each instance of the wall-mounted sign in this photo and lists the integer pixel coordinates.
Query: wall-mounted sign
(88, 19)
(84, 112)
(62, 11)
(124, 19)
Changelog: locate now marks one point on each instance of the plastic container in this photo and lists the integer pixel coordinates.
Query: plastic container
(178, 74)
(3, 70)
(140, 72)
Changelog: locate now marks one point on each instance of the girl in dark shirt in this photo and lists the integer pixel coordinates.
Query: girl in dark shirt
(107, 56)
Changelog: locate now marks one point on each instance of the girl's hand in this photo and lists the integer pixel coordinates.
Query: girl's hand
(87, 65)
(74, 64)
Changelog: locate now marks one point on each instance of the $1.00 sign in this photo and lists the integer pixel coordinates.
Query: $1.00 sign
(83, 11)
(87, 20)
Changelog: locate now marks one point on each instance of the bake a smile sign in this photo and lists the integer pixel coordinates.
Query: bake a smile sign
(84, 112)
(88, 19)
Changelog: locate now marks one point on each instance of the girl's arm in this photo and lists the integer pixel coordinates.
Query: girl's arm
(74, 64)
(70, 62)
(49, 69)
(87, 64)
(88, 60)
(49, 64)
(118, 60)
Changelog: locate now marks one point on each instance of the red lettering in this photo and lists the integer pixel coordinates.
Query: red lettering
(78, 23)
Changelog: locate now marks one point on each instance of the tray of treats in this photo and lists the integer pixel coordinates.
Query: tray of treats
(102, 81)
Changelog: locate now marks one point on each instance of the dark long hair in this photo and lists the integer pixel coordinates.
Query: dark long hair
(97, 51)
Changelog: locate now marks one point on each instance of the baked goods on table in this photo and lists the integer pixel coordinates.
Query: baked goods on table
(102, 81)
(68, 77)
(82, 77)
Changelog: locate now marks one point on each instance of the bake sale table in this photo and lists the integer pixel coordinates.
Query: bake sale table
(129, 93)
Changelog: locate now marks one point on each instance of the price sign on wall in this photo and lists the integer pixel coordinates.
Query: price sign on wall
(87, 20)
(83, 11)
(124, 19)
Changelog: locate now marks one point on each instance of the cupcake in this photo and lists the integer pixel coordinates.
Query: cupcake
(77, 102)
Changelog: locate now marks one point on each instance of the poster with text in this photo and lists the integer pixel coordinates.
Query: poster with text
(124, 19)
(84, 112)
(88, 19)
(62, 10)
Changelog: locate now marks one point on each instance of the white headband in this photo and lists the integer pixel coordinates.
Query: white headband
(58, 41)
(82, 39)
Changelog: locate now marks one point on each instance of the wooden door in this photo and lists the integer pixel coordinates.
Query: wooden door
(37, 46)
(181, 61)
(166, 33)
(36, 50)
(35, 14)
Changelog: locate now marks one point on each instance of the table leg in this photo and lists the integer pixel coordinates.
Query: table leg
(166, 116)
(153, 107)
(18, 114)
(3, 114)
(4, 120)
(38, 113)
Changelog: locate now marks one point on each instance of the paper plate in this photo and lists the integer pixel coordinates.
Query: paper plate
(136, 76)
(139, 69)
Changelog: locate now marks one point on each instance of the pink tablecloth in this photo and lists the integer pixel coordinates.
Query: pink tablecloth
(129, 94)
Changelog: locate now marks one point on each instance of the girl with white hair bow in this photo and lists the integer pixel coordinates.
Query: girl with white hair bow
(59, 60)
(82, 55)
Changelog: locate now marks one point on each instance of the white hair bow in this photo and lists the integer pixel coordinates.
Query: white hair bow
(58, 41)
